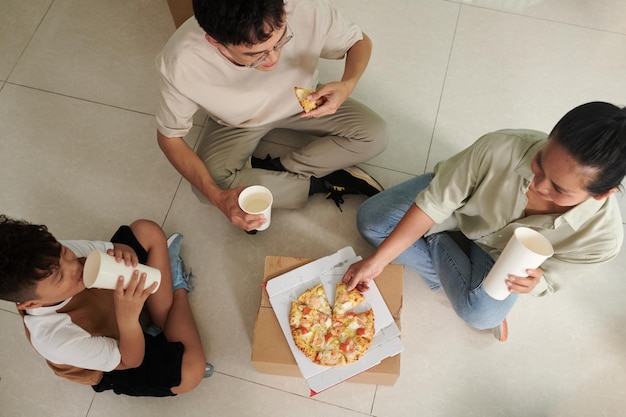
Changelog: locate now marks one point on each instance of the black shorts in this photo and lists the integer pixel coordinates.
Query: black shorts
(162, 363)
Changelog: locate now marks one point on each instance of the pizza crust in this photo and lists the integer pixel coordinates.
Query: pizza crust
(307, 105)
(346, 300)
(316, 298)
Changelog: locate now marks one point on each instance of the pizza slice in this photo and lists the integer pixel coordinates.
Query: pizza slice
(345, 300)
(302, 337)
(316, 298)
(331, 355)
(357, 334)
(307, 105)
(355, 347)
(304, 316)
(361, 324)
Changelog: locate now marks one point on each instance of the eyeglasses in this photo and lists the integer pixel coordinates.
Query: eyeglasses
(287, 36)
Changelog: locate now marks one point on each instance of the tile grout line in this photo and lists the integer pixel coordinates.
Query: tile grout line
(27, 44)
(443, 87)
(260, 384)
(543, 19)
(79, 98)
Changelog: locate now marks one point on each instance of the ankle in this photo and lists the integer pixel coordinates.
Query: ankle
(317, 186)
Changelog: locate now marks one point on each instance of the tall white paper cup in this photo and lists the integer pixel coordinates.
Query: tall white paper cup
(257, 199)
(526, 249)
(101, 270)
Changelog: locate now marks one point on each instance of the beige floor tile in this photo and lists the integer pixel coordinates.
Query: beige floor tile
(80, 167)
(102, 51)
(607, 15)
(18, 22)
(220, 395)
(27, 386)
(510, 71)
(405, 77)
(8, 306)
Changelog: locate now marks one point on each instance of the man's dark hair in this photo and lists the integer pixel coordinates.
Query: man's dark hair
(239, 22)
(28, 253)
(595, 135)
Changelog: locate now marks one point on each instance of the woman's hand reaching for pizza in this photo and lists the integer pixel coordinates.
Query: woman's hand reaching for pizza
(361, 273)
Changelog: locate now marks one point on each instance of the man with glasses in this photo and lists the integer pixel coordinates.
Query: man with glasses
(240, 60)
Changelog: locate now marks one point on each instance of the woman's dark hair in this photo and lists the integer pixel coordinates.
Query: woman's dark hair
(595, 135)
(28, 253)
(239, 22)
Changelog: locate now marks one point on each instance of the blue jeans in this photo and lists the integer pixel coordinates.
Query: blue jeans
(438, 258)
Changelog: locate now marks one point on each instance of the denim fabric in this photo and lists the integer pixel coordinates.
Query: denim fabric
(438, 258)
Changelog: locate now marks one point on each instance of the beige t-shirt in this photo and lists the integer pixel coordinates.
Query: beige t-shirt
(194, 74)
(481, 191)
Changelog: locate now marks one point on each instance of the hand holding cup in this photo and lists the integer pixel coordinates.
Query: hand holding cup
(257, 199)
(102, 271)
(526, 249)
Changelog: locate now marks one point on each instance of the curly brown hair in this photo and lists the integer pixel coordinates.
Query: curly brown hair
(28, 254)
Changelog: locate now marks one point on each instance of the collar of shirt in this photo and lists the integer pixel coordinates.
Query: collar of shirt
(42, 311)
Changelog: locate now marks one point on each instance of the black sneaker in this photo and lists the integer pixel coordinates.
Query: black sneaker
(351, 180)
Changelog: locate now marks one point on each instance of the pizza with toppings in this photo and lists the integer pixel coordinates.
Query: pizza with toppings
(331, 338)
(307, 105)
(346, 300)
(316, 298)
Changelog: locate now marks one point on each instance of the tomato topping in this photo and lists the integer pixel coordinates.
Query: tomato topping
(360, 331)
(328, 336)
(348, 346)
(303, 330)
(306, 310)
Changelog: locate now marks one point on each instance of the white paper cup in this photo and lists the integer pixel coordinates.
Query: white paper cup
(101, 270)
(526, 249)
(257, 199)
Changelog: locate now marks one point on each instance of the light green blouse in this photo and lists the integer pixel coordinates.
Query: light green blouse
(481, 191)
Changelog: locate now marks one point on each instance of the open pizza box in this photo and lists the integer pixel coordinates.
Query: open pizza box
(285, 288)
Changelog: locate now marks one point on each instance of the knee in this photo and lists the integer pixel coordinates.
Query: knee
(190, 378)
(369, 221)
(147, 232)
(380, 134)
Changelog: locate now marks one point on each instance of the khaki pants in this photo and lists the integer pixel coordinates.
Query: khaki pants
(354, 134)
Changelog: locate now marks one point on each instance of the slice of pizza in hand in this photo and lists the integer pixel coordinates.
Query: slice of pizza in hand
(308, 105)
(345, 300)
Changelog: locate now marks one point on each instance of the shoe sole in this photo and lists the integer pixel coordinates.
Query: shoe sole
(172, 238)
(359, 173)
(502, 331)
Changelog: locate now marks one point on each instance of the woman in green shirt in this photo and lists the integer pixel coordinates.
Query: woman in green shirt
(451, 225)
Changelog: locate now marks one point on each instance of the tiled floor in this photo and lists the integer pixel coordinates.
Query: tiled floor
(78, 152)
